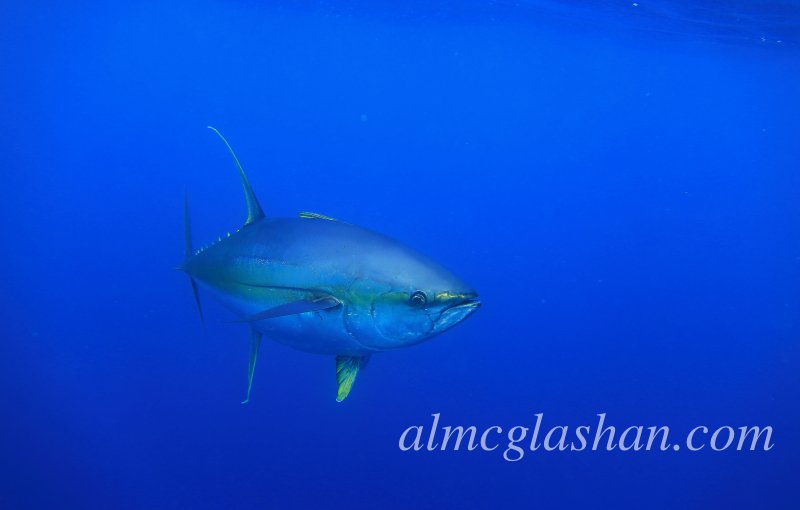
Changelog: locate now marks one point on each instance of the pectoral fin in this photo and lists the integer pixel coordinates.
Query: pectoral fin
(255, 343)
(347, 368)
(295, 307)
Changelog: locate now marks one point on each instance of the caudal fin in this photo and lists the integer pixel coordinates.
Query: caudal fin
(187, 246)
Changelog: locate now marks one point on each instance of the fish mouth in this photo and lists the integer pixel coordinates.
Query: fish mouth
(465, 306)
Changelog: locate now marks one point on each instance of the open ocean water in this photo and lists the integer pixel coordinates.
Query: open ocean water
(620, 181)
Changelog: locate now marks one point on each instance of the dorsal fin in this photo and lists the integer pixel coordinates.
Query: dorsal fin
(316, 216)
(254, 211)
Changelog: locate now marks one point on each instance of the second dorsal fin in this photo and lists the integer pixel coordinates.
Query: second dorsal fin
(316, 216)
(254, 211)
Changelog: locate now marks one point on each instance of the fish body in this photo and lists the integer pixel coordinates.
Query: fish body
(328, 287)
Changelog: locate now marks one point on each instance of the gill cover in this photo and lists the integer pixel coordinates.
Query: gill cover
(399, 322)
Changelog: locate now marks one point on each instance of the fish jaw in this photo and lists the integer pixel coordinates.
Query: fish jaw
(455, 314)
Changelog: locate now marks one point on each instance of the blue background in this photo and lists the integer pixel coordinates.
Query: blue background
(619, 182)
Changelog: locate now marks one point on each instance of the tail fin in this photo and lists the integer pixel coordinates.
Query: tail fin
(187, 244)
(197, 299)
(187, 227)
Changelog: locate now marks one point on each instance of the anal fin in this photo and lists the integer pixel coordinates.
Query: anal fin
(347, 368)
(255, 343)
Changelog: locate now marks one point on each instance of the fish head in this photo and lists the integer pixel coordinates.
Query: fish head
(418, 301)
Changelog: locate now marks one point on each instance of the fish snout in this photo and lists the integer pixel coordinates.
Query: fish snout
(463, 305)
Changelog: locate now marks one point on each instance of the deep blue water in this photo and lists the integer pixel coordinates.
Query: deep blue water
(619, 182)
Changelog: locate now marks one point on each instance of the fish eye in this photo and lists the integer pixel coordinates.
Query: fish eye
(418, 298)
